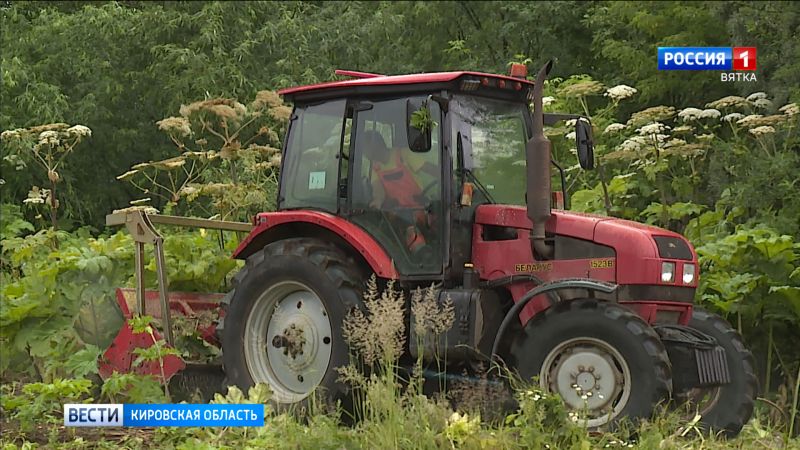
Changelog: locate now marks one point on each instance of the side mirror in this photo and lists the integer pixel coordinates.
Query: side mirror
(419, 124)
(585, 146)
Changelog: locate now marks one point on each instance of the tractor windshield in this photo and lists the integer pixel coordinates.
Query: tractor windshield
(490, 136)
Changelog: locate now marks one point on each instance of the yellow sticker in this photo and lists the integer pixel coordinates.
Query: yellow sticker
(534, 267)
(601, 263)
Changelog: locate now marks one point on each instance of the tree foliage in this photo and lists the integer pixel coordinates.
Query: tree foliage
(119, 67)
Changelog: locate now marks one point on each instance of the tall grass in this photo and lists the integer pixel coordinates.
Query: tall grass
(393, 413)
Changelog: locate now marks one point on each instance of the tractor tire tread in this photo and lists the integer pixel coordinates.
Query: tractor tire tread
(650, 341)
(744, 408)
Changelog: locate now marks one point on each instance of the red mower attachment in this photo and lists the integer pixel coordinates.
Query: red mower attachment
(120, 355)
(199, 310)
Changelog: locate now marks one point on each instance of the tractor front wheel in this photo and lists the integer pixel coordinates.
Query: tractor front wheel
(726, 408)
(283, 322)
(602, 359)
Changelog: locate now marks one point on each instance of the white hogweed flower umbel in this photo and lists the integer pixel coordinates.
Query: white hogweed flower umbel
(731, 101)
(710, 113)
(756, 96)
(11, 134)
(675, 143)
(632, 144)
(48, 137)
(762, 130)
(790, 109)
(620, 92)
(690, 113)
(732, 117)
(762, 103)
(748, 121)
(653, 128)
(178, 125)
(614, 127)
(79, 130)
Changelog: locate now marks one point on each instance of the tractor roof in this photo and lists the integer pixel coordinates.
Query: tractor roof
(372, 83)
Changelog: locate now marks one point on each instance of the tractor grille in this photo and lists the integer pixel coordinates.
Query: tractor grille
(712, 368)
(673, 248)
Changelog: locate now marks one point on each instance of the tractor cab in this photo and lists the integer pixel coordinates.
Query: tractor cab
(409, 158)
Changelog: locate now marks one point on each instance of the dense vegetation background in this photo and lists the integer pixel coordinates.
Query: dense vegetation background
(118, 68)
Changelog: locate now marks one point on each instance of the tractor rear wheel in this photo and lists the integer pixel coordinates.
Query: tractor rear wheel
(726, 408)
(602, 359)
(283, 320)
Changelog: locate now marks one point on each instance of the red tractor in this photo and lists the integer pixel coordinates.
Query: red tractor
(446, 178)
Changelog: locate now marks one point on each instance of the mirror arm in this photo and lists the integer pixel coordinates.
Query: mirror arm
(563, 183)
(553, 118)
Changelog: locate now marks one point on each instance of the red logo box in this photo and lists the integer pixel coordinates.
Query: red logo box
(744, 58)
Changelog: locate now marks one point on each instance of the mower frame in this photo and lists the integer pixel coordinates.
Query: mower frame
(140, 226)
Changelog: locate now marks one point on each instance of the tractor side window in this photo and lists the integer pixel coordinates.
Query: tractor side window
(311, 164)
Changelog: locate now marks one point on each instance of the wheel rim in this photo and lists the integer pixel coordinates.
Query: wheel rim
(701, 401)
(288, 341)
(591, 376)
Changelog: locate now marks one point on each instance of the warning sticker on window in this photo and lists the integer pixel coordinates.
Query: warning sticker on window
(316, 180)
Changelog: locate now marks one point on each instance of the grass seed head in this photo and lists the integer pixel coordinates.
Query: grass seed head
(430, 316)
(378, 333)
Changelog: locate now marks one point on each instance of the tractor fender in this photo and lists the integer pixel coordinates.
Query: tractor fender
(274, 226)
(548, 288)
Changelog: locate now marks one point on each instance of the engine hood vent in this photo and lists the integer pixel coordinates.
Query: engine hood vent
(673, 248)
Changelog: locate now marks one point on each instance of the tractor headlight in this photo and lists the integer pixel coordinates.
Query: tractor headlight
(667, 272)
(688, 273)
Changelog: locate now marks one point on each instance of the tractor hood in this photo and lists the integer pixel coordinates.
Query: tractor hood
(631, 241)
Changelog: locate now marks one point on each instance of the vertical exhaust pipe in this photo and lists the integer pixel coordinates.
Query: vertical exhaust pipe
(537, 163)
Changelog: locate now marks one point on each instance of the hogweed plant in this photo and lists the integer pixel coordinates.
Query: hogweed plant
(658, 159)
(46, 146)
(228, 155)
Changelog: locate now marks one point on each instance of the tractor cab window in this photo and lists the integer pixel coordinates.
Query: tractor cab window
(396, 193)
(310, 172)
(490, 136)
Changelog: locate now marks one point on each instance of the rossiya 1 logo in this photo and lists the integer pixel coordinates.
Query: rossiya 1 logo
(736, 63)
